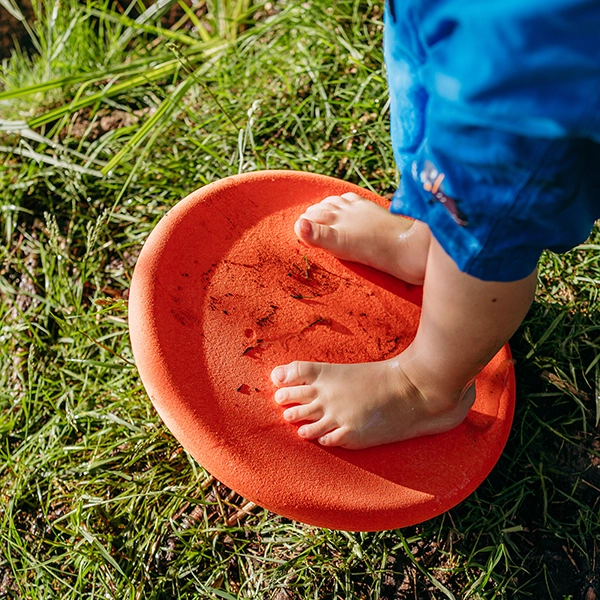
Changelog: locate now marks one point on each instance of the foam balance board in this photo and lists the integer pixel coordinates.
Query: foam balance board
(223, 292)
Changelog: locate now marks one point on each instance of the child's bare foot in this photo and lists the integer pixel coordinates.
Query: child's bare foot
(464, 322)
(356, 229)
(363, 405)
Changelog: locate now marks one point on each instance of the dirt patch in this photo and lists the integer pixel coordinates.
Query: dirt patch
(12, 30)
(93, 128)
(571, 570)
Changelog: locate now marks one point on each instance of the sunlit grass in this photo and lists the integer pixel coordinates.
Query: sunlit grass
(97, 499)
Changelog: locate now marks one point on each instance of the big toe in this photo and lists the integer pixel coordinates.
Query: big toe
(316, 234)
(295, 373)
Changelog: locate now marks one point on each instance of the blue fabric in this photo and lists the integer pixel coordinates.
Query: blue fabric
(495, 122)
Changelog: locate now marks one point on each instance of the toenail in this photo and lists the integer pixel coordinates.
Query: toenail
(279, 374)
(301, 431)
(323, 440)
(305, 226)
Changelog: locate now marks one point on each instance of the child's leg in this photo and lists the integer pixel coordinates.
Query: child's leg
(464, 322)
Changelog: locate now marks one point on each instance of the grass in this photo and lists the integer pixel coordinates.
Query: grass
(107, 126)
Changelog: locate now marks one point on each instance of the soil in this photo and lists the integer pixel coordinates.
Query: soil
(103, 122)
(571, 571)
(12, 30)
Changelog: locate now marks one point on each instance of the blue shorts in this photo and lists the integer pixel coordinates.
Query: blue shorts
(495, 122)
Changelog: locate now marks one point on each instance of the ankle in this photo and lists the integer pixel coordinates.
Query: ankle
(439, 394)
(414, 245)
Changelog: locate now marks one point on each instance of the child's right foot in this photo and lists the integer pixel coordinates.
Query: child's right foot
(363, 405)
(352, 228)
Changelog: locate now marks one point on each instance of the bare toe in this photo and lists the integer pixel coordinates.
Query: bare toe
(306, 412)
(315, 430)
(353, 228)
(321, 215)
(324, 205)
(295, 373)
(316, 234)
(302, 394)
(337, 437)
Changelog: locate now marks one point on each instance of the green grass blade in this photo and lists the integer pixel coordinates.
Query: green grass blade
(50, 160)
(597, 394)
(12, 10)
(546, 334)
(164, 70)
(164, 111)
(202, 31)
(93, 76)
(154, 11)
(182, 38)
(93, 540)
(418, 565)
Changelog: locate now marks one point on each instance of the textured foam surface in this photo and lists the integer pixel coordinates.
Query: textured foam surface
(223, 292)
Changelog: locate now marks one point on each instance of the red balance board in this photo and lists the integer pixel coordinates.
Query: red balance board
(223, 292)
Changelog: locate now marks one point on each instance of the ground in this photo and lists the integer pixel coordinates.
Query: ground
(97, 499)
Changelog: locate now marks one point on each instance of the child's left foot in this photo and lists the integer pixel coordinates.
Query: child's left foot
(362, 405)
